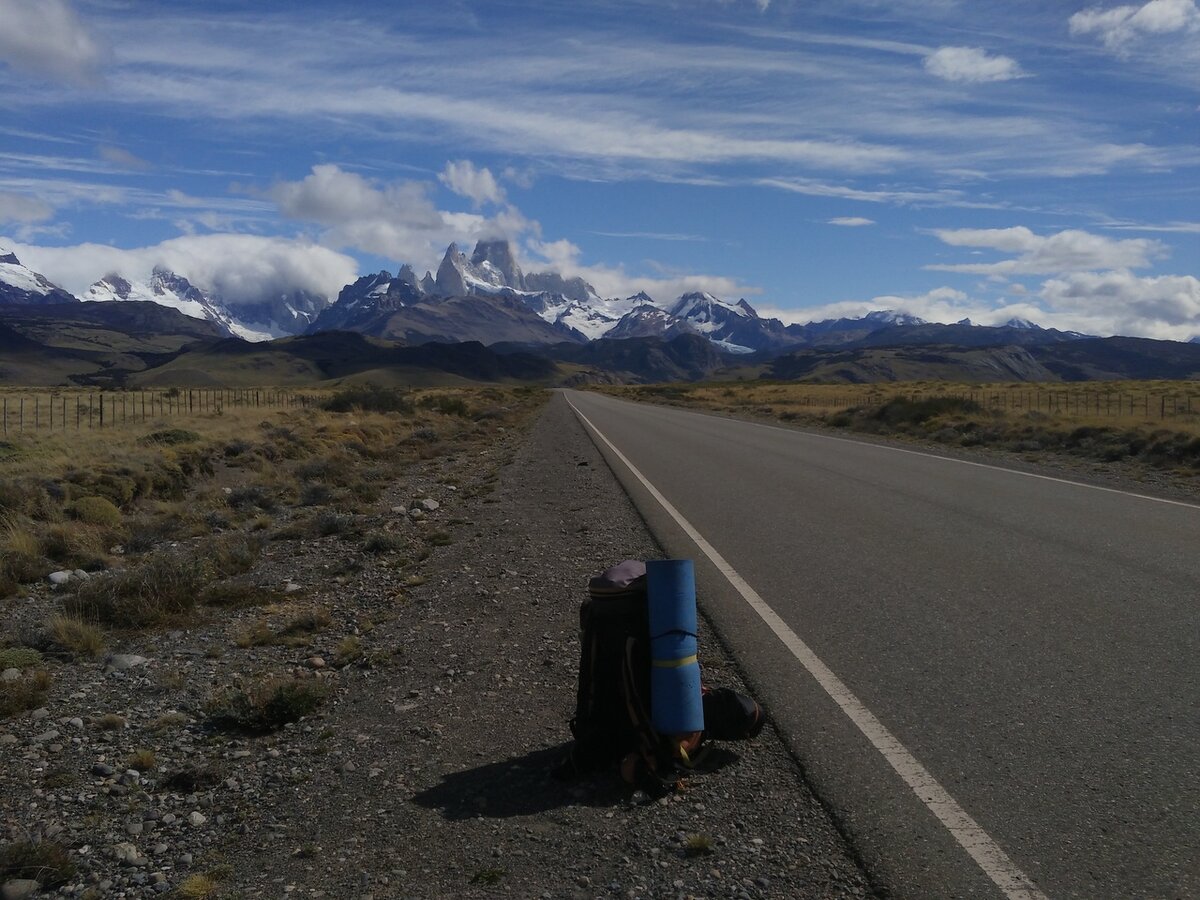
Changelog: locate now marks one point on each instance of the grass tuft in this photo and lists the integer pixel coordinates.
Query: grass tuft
(78, 637)
(162, 589)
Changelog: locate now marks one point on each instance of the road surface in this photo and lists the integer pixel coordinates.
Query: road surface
(991, 678)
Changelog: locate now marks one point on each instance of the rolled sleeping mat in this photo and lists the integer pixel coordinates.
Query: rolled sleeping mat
(676, 706)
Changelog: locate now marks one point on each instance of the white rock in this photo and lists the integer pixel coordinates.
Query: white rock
(116, 662)
(430, 505)
(291, 587)
(19, 889)
(196, 819)
(10, 675)
(81, 575)
(60, 577)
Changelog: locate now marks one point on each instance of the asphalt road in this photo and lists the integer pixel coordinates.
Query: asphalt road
(1033, 644)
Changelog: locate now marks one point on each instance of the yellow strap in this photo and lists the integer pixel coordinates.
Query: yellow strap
(675, 663)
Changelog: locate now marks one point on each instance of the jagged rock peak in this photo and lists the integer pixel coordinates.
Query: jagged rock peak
(640, 298)
(7, 256)
(745, 306)
(499, 255)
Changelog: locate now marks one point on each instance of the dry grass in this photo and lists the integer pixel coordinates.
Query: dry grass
(75, 635)
(142, 760)
(45, 862)
(110, 722)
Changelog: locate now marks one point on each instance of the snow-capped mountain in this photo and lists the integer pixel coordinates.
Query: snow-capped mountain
(20, 285)
(366, 297)
(257, 321)
(648, 320)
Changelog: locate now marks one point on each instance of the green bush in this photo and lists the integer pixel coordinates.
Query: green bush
(19, 658)
(901, 411)
(96, 511)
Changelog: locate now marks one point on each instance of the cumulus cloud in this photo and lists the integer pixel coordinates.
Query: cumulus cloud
(851, 221)
(45, 37)
(971, 64)
(1066, 251)
(477, 185)
(240, 267)
(397, 220)
(23, 209)
(616, 281)
(1118, 302)
(1119, 26)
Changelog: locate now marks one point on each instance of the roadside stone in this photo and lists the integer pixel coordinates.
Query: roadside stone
(59, 578)
(196, 819)
(38, 714)
(44, 737)
(19, 889)
(429, 504)
(7, 740)
(10, 675)
(315, 662)
(291, 587)
(118, 662)
(103, 770)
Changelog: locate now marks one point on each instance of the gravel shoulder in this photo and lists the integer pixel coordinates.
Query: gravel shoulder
(448, 792)
(426, 771)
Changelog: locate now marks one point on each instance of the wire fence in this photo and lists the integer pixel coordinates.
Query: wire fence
(77, 410)
(1147, 404)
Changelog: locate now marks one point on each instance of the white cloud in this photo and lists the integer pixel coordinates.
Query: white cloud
(477, 185)
(1066, 251)
(615, 281)
(1119, 26)
(851, 221)
(23, 208)
(238, 266)
(971, 64)
(45, 37)
(1118, 302)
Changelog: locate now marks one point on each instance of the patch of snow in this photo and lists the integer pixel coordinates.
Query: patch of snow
(732, 348)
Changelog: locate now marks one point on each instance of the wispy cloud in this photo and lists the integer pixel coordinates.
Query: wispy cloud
(46, 38)
(652, 236)
(851, 221)
(23, 208)
(1066, 251)
(122, 158)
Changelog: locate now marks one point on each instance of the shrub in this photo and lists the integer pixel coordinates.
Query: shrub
(21, 694)
(230, 555)
(96, 511)
(446, 404)
(382, 542)
(266, 705)
(371, 398)
(170, 437)
(901, 411)
(42, 861)
(163, 588)
(110, 722)
(76, 545)
(196, 887)
(142, 760)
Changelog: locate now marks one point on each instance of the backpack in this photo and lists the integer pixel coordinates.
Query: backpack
(612, 725)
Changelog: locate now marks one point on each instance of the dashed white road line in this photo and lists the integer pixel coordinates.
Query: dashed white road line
(986, 853)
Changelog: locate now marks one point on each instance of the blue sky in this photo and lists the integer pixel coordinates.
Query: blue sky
(826, 157)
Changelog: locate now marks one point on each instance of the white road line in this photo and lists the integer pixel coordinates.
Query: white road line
(987, 854)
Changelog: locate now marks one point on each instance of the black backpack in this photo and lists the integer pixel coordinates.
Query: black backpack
(612, 725)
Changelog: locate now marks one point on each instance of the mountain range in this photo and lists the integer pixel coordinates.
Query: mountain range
(486, 298)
